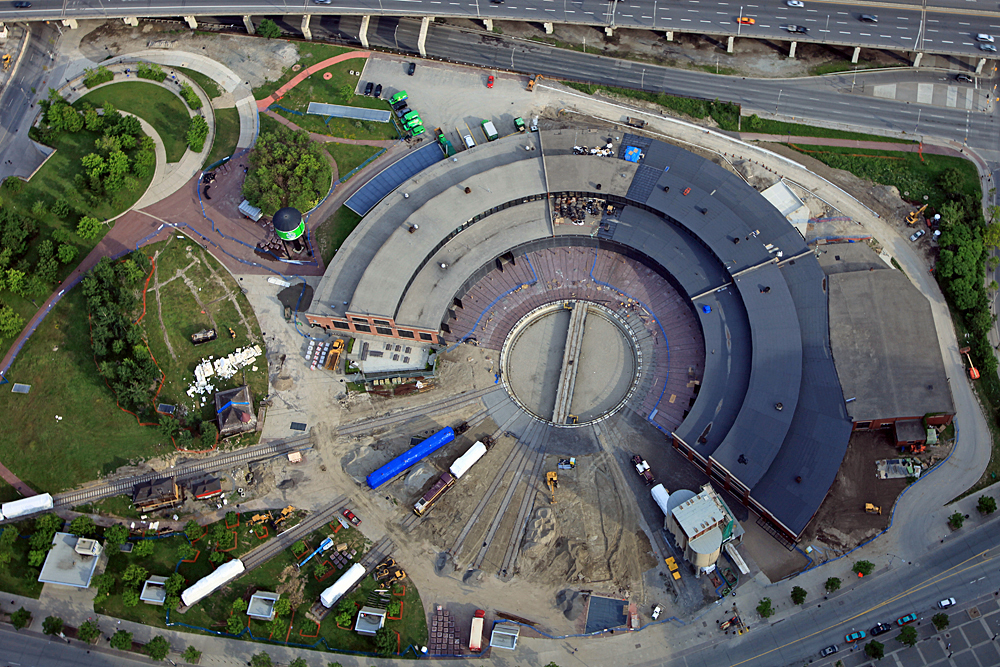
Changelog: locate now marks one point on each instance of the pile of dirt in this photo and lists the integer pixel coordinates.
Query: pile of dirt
(291, 585)
(571, 603)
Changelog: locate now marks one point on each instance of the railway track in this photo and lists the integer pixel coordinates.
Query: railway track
(447, 405)
(312, 522)
(506, 569)
(379, 550)
(118, 486)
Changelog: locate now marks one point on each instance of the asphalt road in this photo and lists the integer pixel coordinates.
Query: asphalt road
(23, 649)
(939, 26)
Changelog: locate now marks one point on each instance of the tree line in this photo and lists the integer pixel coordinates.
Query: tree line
(286, 169)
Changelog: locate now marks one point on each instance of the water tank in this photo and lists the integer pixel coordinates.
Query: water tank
(288, 223)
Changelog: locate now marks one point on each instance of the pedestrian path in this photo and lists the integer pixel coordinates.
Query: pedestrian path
(263, 104)
(327, 139)
(911, 147)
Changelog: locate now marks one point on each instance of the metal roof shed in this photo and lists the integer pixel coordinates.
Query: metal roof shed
(251, 211)
(504, 635)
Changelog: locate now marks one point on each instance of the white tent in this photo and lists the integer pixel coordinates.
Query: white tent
(28, 505)
(354, 574)
(467, 460)
(661, 497)
(206, 585)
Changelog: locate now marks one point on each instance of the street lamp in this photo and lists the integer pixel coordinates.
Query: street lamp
(739, 23)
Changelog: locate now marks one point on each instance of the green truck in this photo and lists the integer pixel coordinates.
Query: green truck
(490, 130)
(413, 122)
(398, 97)
(446, 146)
(519, 124)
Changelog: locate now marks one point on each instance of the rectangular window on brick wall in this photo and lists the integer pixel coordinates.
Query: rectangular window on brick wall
(363, 328)
(359, 320)
(384, 331)
(425, 336)
(382, 323)
(341, 325)
(405, 334)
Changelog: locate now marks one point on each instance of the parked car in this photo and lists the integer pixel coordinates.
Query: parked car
(868, 18)
(909, 618)
(349, 515)
(402, 111)
(22, 5)
(879, 629)
(322, 2)
(656, 612)
(829, 650)
(368, 88)
(917, 234)
(983, 37)
(944, 604)
(489, 81)
(411, 69)
(378, 91)
(795, 3)
(965, 78)
(855, 636)
(746, 20)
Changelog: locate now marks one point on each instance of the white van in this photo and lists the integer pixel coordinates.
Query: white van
(469, 142)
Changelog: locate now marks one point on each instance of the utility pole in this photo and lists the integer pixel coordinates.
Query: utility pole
(739, 24)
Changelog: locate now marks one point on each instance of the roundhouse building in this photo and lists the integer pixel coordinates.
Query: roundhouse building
(734, 363)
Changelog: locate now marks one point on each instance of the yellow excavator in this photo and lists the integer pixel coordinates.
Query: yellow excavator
(872, 509)
(552, 479)
(913, 216)
(535, 78)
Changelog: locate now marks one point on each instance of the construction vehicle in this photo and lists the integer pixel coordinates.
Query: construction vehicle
(446, 146)
(872, 509)
(388, 575)
(642, 468)
(519, 124)
(259, 519)
(476, 634)
(490, 130)
(567, 464)
(552, 480)
(912, 216)
(203, 336)
(325, 545)
(6, 61)
(635, 122)
(334, 356)
(725, 625)
(973, 371)
(535, 78)
(232, 334)
(285, 515)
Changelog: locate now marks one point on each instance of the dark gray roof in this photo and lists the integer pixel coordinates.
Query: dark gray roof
(844, 257)
(909, 430)
(287, 219)
(886, 347)
(392, 177)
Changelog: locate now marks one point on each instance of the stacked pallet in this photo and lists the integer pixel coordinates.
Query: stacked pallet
(443, 636)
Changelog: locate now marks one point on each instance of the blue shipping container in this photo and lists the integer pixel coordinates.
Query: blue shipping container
(410, 456)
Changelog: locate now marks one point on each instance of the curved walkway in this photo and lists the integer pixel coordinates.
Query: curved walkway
(263, 104)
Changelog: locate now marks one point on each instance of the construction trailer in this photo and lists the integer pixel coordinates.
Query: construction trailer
(30, 505)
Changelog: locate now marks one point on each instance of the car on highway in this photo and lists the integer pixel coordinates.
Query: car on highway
(879, 629)
(909, 618)
(917, 234)
(795, 3)
(378, 91)
(368, 88)
(983, 37)
(964, 78)
(746, 20)
(797, 28)
(22, 5)
(868, 18)
(829, 650)
(855, 636)
(987, 47)
(489, 81)
(944, 604)
(411, 69)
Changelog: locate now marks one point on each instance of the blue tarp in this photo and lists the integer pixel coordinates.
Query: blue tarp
(632, 154)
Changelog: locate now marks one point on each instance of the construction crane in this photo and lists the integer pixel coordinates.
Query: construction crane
(552, 479)
(973, 371)
(912, 216)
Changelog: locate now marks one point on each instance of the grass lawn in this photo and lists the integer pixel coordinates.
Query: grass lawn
(333, 231)
(118, 506)
(210, 87)
(332, 91)
(18, 577)
(94, 437)
(227, 133)
(846, 66)
(309, 54)
(158, 106)
(182, 315)
(349, 156)
(765, 126)
(914, 177)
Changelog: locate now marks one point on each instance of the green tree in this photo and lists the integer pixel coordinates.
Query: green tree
(67, 253)
(216, 557)
(20, 618)
(261, 660)
(239, 605)
(135, 575)
(875, 650)
(269, 29)
(908, 636)
(16, 281)
(798, 595)
(122, 640)
(175, 584)
(832, 584)
(956, 520)
(282, 607)
(171, 602)
(286, 169)
(940, 620)
(193, 530)
(10, 322)
(385, 642)
(115, 536)
(231, 518)
(104, 583)
(298, 662)
(197, 133)
(191, 654)
(863, 567)
(186, 551)
(88, 228)
(209, 433)
(764, 608)
(143, 549)
(36, 557)
(88, 632)
(987, 505)
(320, 570)
(158, 648)
(82, 526)
(52, 625)
(130, 597)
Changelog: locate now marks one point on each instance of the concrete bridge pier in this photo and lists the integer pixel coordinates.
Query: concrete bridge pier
(609, 31)
(306, 32)
(549, 28)
(488, 24)
(131, 20)
(857, 53)
(248, 22)
(980, 65)
(732, 42)
(425, 23)
(670, 35)
(917, 59)
(363, 33)
(791, 50)
(70, 23)
(192, 22)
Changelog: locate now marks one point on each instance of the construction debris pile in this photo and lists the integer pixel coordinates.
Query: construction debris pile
(225, 368)
(577, 209)
(607, 151)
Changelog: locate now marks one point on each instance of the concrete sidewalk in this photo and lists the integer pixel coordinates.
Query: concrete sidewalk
(855, 143)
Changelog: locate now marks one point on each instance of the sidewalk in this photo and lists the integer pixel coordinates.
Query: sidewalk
(855, 143)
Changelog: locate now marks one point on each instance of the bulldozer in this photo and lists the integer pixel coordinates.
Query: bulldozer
(872, 509)
(552, 479)
(259, 519)
(912, 216)
(389, 574)
(284, 516)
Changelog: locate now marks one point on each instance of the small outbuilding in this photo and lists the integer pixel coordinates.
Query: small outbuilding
(71, 561)
(234, 410)
(206, 488)
(370, 620)
(262, 605)
(504, 635)
(155, 495)
(154, 590)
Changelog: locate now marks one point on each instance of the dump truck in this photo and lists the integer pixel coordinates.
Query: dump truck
(334, 356)
(519, 124)
(635, 122)
(446, 146)
(476, 636)
(490, 130)
(444, 482)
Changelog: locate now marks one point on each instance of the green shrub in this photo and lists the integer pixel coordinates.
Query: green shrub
(832, 584)
(863, 567)
(987, 504)
(151, 71)
(121, 640)
(191, 97)
(88, 632)
(157, 648)
(95, 77)
(764, 608)
(798, 595)
(197, 133)
(20, 618)
(191, 654)
(875, 650)
(941, 620)
(956, 520)
(52, 625)
(908, 636)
